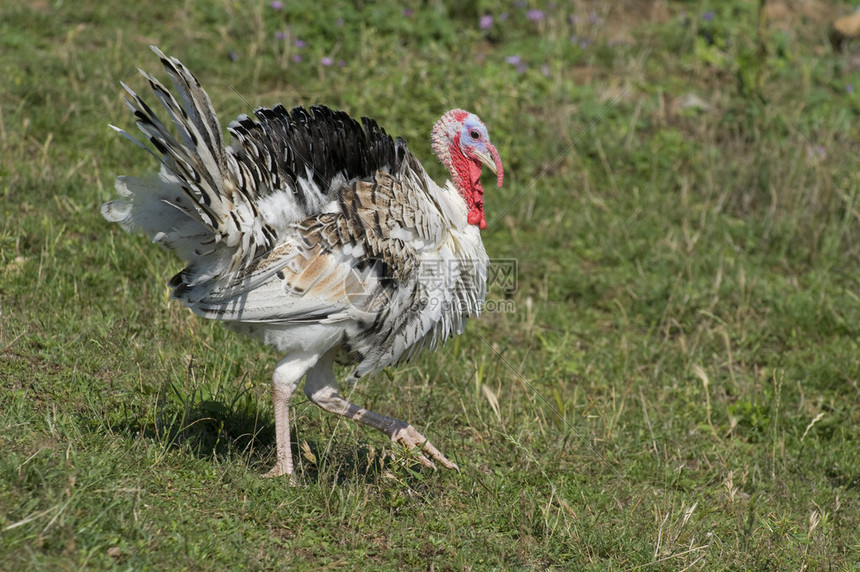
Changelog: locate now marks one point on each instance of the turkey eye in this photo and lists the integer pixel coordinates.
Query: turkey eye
(475, 135)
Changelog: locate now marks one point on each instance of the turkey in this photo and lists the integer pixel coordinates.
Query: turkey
(320, 235)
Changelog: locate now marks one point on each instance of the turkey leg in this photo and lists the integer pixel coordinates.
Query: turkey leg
(288, 374)
(321, 388)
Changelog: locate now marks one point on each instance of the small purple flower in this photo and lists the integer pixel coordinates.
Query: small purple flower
(486, 22)
(708, 16)
(520, 3)
(407, 12)
(849, 88)
(592, 17)
(339, 22)
(544, 69)
(513, 60)
(326, 61)
(276, 5)
(503, 16)
(233, 56)
(299, 43)
(581, 42)
(522, 68)
(279, 35)
(296, 58)
(340, 63)
(535, 15)
(816, 152)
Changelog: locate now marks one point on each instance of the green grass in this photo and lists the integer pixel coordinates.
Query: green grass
(677, 386)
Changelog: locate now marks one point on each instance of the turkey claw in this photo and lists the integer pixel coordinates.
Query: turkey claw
(410, 438)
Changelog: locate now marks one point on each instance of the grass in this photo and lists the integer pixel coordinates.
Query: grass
(676, 385)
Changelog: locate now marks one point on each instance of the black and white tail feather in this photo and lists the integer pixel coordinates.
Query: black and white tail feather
(221, 209)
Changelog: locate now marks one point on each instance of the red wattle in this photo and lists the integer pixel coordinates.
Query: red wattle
(469, 183)
(476, 217)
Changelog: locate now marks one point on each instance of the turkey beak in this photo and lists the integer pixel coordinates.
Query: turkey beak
(491, 160)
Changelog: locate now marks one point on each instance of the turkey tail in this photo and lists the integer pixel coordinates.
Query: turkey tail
(193, 206)
(224, 208)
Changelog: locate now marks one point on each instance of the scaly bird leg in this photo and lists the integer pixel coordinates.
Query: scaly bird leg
(284, 463)
(321, 388)
(288, 374)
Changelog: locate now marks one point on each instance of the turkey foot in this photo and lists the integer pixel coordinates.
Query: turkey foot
(279, 470)
(410, 438)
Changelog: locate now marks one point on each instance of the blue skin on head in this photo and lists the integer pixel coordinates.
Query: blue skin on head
(473, 125)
